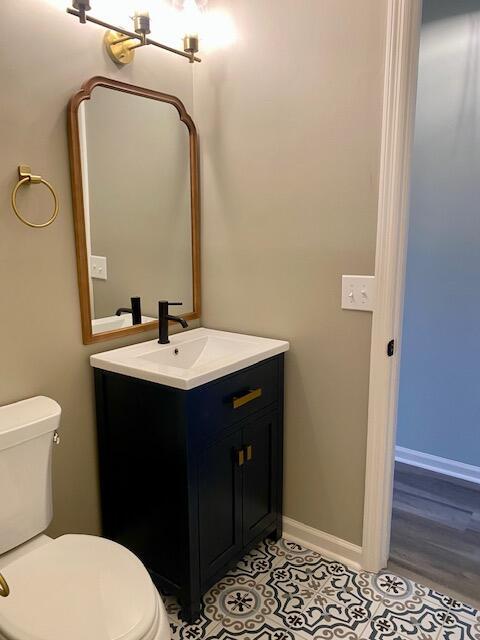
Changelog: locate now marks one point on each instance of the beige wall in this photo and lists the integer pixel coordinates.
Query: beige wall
(290, 122)
(140, 211)
(44, 58)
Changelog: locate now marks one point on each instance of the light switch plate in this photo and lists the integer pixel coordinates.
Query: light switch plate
(358, 292)
(98, 267)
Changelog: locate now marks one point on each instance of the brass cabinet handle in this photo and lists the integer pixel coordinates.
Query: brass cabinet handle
(248, 397)
(245, 454)
(4, 588)
(240, 457)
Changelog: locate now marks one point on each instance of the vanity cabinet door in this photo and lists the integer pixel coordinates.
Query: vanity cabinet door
(220, 503)
(260, 475)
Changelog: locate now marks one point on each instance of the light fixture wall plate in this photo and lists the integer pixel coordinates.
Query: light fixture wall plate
(118, 48)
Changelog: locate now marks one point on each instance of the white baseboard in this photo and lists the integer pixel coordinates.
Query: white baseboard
(324, 543)
(460, 470)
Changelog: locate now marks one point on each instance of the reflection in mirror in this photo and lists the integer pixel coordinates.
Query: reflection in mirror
(137, 182)
(136, 177)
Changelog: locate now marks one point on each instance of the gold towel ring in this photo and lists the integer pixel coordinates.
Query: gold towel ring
(4, 588)
(25, 175)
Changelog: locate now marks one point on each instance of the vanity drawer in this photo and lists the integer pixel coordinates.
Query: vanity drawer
(231, 399)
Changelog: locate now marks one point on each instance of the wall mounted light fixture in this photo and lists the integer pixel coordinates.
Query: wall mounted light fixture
(121, 43)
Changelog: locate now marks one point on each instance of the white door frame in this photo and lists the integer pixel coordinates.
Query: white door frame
(400, 85)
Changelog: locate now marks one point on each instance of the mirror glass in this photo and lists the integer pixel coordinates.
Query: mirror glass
(136, 190)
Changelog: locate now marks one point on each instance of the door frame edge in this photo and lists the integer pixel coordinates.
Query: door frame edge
(398, 118)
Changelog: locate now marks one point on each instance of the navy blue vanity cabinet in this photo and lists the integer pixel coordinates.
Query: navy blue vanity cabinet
(191, 480)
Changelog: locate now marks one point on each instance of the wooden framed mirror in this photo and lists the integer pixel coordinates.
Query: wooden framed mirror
(135, 189)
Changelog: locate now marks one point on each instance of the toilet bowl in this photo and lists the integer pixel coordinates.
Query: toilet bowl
(74, 587)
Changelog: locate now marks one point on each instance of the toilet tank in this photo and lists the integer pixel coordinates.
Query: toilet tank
(26, 439)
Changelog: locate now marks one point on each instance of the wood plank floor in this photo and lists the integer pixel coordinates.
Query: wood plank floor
(436, 532)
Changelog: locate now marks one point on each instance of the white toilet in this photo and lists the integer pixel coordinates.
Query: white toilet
(75, 587)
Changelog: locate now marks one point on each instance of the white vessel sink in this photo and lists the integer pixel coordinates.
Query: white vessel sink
(99, 325)
(192, 358)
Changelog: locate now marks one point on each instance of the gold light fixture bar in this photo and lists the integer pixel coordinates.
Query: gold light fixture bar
(118, 41)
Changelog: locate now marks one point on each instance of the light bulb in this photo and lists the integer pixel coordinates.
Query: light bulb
(191, 18)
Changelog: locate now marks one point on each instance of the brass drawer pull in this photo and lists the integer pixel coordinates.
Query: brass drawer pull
(248, 397)
(240, 457)
(249, 452)
(4, 588)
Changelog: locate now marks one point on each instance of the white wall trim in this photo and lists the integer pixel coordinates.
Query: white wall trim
(400, 83)
(324, 543)
(461, 470)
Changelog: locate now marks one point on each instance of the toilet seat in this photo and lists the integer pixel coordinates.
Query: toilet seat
(81, 587)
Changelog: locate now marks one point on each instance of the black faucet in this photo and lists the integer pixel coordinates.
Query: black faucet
(164, 317)
(135, 310)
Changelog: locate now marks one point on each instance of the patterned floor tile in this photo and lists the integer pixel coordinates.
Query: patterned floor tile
(460, 627)
(423, 622)
(259, 562)
(283, 591)
(269, 630)
(322, 618)
(401, 594)
(349, 587)
(294, 586)
(446, 602)
(203, 628)
(462, 609)
(294, 553)
(239, 603)
(171, 605)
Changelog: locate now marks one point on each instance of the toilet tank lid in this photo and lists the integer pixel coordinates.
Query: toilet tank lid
(27, 419)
